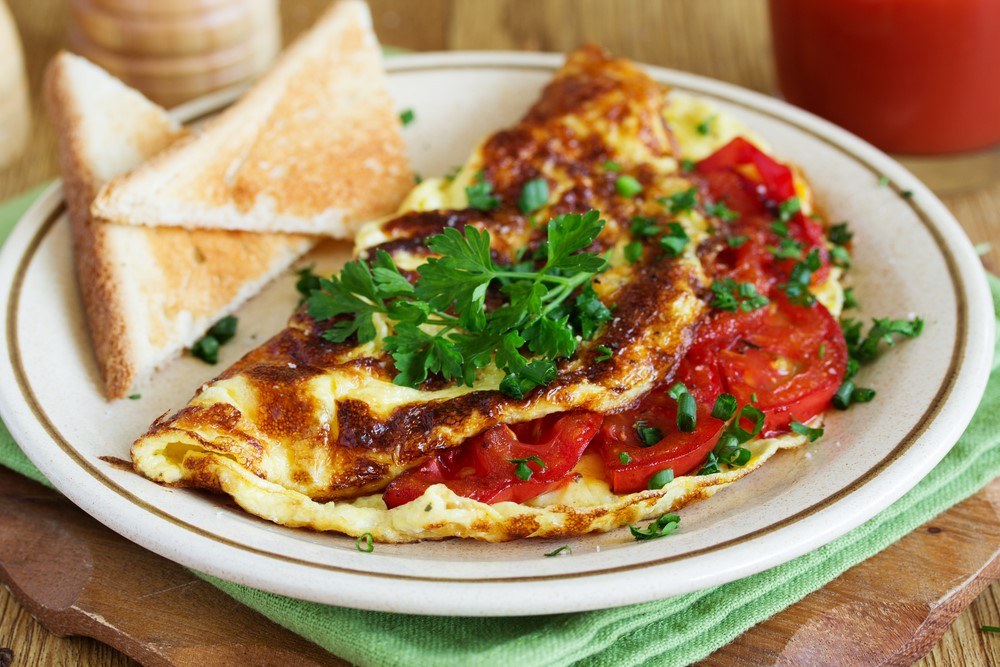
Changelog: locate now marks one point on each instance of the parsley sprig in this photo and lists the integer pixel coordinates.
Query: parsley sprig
(440, 325)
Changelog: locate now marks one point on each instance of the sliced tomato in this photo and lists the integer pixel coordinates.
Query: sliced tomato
(790, 358)
(629, 463)
(742, 157)
(481, 468)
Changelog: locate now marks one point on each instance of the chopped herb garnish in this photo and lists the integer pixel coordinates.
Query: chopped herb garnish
(611, 165)
(862, 395)
(850, 301)
(906, 194)
(780, 228)
(983, 248)
(840, 234)
(788, 248)
(721, 211)
(812, 434)
(725, 407)
(730, 296)
(605, 353)
(883, 181)
(534, 195)
(661, 527)
(307, 283)
(687, 409)
(417, 178)
(842, 398)
(789, 208)
(675, 240)
(453, 173)
(648, 435)
(480, 194)
(539, 315)
(406, 116)
(705, 126)
(632, 252)
(728, 449)
(642, 227)
(206, 348)
(753, 397)
(521, 468)
(661, 479)
(737, 241)
(685, 200)
(688, 165)
(989, 628)
(840, 257)
(883, 330)
(564, 549)
(797, 287)
(711, 465)
(365, 543)
(627, 186)
(625, 458)
(134, 397)
(822, 350)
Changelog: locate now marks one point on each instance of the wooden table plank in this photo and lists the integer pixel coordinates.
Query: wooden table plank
(725, 39)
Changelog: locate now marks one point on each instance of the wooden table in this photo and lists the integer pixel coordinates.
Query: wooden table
(725, 39)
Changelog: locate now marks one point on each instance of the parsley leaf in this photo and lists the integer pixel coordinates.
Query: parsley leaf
(660, 527)
(685, 200)
(534, 195)
(675, 240)
(721, 211)
(730, 296)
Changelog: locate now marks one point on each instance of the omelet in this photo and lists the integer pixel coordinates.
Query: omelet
(305, 432)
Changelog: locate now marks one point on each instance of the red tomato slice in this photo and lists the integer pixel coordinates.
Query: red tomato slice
(481, 469)
(743, 157)
(679, 451)
(792, 358)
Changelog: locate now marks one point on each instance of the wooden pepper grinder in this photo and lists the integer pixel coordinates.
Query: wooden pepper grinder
(15, 113)
(176, 50)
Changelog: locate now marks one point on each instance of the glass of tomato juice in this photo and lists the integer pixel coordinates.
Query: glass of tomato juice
(917, 78)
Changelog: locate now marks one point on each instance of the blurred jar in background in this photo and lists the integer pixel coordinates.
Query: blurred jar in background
(176, 50)
(917, 78)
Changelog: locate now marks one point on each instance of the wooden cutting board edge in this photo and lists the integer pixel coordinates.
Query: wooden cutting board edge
(79, 578)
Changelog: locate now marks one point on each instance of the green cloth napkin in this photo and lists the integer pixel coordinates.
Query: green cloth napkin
(673, 631)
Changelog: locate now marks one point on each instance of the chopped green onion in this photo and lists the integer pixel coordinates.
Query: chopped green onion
(661, 479)
(842, 398)
(627, 186)
(687, 415)
(839, 234)
(534, 195)
(625, 458)
(563, 549)
(134, 397)
(224, 330)
(788, 208)
(648, 435)
(862, 395)
(725, 407)
(711, 465)
(705, 126)
(206, 348)
(849, 299)
(812, 434)
(522, 469)
(406, 116)
(990, 628)
(605, 353)
(661, 527)
(906, 194)
(365, 543)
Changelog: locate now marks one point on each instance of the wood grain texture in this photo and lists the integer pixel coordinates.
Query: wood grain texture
(726, 39)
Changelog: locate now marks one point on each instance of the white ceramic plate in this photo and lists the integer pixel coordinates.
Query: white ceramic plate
(911, 257)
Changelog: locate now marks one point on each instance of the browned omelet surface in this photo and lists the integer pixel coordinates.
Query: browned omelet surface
(325, 420)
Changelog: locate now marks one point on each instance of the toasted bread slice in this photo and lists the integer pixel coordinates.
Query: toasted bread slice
(315, 147)
(148, 293)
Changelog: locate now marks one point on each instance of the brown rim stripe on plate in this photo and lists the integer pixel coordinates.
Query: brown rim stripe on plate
(904, 444)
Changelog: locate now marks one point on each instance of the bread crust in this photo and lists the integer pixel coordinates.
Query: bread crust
(315, 147)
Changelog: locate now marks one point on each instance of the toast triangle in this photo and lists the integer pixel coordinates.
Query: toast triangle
(148, 293)
(314, 147)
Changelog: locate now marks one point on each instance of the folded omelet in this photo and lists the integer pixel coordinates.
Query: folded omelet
(306, 432)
